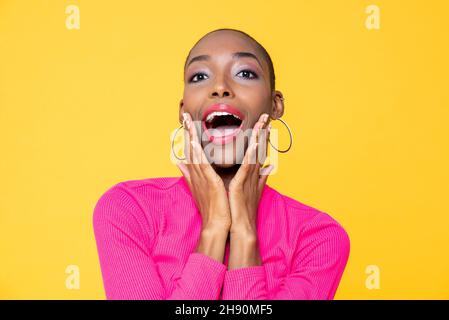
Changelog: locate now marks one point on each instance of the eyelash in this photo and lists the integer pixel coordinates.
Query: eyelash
(255, 76)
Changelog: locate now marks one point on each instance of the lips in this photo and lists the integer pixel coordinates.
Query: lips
(221, 123)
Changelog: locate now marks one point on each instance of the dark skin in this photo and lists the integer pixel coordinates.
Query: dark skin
(227, 192)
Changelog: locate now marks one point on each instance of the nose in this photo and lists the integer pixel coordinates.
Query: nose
(221, 89)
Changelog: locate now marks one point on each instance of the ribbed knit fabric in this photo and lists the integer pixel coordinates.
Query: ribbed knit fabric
(147, 232)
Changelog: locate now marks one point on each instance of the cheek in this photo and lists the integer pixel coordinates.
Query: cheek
(256, 105)
(192, 100)
(255, 98)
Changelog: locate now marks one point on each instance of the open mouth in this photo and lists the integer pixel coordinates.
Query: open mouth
(221, 126)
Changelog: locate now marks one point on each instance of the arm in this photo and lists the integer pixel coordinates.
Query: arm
(207, 284)
(244, 250)
(212, 242)
(124, 236)
(317, 266)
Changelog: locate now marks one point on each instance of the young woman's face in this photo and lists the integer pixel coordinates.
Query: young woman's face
(226, 71)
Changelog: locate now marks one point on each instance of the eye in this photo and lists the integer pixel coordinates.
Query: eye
(247, 72)
(199, 74)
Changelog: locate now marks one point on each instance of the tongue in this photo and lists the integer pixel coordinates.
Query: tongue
(223, 130)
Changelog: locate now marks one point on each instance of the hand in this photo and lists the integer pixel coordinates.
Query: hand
(245, 189)
(205, 184)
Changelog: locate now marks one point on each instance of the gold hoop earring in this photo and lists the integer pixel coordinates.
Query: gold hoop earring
(291, 138)
(173, 142)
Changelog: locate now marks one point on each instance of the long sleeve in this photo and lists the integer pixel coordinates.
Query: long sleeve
(317, 267)
(124, 236)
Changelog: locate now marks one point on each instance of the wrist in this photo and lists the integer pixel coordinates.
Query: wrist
(244, 229)
(212, 242)
(215, 230)
(244, 252)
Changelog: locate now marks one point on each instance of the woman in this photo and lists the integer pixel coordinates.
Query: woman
(219, 231)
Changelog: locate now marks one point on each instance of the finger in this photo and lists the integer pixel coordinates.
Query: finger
(197, 152)
(249, 162)
(258, 124)
(205, 167)
(193, 152)
(259, 134)
(200, 156)
(256, 167)
(187, 137)
(262, 140)
(268, 132)
(255, 139)
(242, 172)
(249, 159)
(264, 173)
(185, 172)
(194, 137)
(185, 167)
(192, 164)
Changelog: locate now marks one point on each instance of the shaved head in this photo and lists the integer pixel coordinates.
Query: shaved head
(260, 49)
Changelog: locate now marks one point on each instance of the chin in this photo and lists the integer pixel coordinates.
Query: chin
(225, 159)
(225, 156)
(224, 165)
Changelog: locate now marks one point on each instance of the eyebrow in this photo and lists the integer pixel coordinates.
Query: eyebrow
(235, 55)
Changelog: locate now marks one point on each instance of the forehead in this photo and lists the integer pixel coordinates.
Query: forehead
(225, 43)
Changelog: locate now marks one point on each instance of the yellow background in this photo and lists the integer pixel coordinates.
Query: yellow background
(81, 110)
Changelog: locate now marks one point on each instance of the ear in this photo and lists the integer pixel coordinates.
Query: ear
(181, 110)
(277, 108)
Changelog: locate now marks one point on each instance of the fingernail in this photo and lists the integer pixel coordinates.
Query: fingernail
(184, 115)
(265, 117)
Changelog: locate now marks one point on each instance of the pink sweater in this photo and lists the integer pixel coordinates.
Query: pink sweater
(147, 232)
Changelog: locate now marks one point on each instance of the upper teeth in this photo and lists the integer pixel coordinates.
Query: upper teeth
(218, 113)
